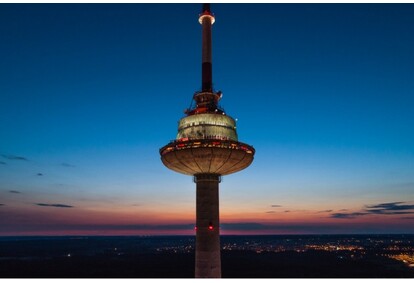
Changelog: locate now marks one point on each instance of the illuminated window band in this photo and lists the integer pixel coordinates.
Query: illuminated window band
(209, 126)
(191, 144)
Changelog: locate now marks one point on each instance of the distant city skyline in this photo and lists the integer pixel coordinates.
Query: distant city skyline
(90, 92)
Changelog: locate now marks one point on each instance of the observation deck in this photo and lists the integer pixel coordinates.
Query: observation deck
(206, 156)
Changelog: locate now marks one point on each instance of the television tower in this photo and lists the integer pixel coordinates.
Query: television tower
(207, 148)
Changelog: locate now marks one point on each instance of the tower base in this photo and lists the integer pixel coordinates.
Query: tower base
(208, 261)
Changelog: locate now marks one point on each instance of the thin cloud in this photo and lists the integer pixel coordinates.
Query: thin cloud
(1, 204)
(39, 174)
(388, 208)
(64, 164)
(276, 205)
(14, 157)
(380, 211)
(14, 192)
(54, 205)
(272, 211)
(286, 211)
(3, 163)
(347, 215)
(325, 211)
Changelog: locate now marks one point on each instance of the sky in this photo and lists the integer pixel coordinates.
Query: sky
(89, 93)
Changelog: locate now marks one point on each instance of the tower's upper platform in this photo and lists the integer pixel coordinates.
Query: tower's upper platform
(207, 140)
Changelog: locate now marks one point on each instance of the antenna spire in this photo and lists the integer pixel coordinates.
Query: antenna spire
(206, 19)
(206, 7)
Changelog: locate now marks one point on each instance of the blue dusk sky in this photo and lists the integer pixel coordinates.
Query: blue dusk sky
(90, 92)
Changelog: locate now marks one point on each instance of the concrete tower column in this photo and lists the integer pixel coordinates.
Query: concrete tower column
(208, 261)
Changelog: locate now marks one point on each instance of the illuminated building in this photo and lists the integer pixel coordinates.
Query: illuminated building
(207, 148)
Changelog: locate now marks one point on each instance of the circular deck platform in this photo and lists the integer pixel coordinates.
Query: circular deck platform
(212, 156)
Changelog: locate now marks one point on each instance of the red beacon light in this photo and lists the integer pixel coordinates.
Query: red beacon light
(210, 227)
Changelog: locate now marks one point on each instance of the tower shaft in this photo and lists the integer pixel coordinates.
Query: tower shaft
(208, 261)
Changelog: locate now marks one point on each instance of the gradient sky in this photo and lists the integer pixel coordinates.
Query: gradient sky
(89, 93)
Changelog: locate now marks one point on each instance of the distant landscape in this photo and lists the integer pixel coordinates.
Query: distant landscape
(298, 256)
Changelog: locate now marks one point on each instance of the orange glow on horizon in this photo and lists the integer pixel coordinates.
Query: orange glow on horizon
(143, 221)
